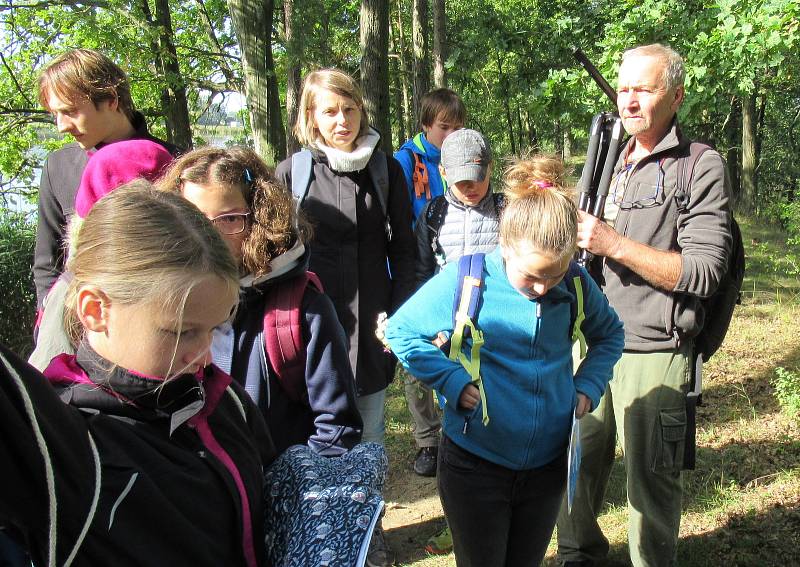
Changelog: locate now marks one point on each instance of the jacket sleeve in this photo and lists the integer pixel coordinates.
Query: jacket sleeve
(259, 432)
(426, 259)
(401, 249)
(52, 339)
(413, 327)
(605, 339)
(283, 173)
(704, 235)
(48, 252)
(47, 459)
(406, 160)
(329, 379)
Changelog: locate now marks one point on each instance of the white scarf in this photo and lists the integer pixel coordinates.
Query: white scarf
(356, 160)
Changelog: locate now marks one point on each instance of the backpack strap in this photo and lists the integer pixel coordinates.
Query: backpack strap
(577, 315)
(500, 202)
(283, 333)
(686, 166)
(302, 168)
(434, 219)
(422, 186)
(466, 304)
(378, 169)
(434, 216)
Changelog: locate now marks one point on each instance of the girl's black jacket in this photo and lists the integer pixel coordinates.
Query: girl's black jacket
(104, 467)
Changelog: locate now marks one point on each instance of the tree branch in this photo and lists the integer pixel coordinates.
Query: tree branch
(14, 78)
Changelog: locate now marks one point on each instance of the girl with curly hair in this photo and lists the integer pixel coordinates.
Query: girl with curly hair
(256, 216)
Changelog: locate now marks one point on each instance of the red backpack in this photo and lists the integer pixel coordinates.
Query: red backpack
(283, 333)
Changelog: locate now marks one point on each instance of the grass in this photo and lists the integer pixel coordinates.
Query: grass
(742, 503)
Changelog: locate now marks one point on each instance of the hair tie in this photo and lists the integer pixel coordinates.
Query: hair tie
(543, 184)
(248, 176)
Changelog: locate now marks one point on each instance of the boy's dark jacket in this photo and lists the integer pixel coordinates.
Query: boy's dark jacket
(163, 498)
(61, 175)
(328, 422)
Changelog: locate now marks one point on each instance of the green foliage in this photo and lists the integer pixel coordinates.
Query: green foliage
(31, 35)
(787, 391)
(18, 307)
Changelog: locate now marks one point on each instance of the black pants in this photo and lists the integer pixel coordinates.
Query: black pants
(498, 516)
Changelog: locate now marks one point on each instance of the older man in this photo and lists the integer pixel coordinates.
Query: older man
(660, 256)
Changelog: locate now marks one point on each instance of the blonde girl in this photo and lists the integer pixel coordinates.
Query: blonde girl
(502, 462)
(137, 451)
(256, 217)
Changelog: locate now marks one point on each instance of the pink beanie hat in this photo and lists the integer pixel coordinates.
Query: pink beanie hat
(116, 164)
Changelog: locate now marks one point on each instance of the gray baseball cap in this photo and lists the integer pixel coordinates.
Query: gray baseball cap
(465, 156)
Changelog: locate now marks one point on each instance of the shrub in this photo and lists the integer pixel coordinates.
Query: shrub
(787, 390)
(18, 297)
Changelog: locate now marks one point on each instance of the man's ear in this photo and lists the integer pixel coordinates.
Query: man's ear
(93, 307)
(680, 92)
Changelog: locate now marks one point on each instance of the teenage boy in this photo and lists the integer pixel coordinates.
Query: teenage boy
(89, 97)
(442, 112)
(465, 220)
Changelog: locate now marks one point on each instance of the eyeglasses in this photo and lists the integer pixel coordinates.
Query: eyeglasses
(621, 183)
(231, 223)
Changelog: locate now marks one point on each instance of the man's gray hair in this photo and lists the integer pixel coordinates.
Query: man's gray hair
(674, 71)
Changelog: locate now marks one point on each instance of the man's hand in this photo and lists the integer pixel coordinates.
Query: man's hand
(596, 236)
(584, 405)
(470, 396)
(660, 268)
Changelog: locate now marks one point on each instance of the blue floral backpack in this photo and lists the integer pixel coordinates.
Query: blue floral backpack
(322, 510)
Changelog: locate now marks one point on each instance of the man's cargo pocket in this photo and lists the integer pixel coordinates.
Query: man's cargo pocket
(669, 440)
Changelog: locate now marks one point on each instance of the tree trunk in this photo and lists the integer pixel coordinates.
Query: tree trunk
(506, 103)
(174, 105)
(395, 88)
(374, 24)
(558, 140)
(405, 64)
(177, 108)
(291, 28)
(732, 135)
(420, 40)
(439, 44)
(567, 147)
(252, 22)
(748, 200)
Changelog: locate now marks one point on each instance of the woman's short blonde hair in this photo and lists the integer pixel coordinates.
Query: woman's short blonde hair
(332, 80)
(276, 223)
(143, 246)
(541, 214)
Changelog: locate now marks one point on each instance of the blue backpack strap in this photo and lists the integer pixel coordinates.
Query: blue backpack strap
(469, 265)
(576, 286)
(465, 310)
(302, 167)
(378, 169)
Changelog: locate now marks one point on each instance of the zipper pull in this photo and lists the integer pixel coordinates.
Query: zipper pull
(466, 424)
(538, 310)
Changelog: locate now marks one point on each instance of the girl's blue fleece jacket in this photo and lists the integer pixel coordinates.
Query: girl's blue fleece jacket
(526, 362)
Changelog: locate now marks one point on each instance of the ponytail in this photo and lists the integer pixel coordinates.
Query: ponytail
(541, 212)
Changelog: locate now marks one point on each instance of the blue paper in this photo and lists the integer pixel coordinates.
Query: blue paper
(573, 461)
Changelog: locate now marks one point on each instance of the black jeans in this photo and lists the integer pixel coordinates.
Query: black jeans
(498, 516)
